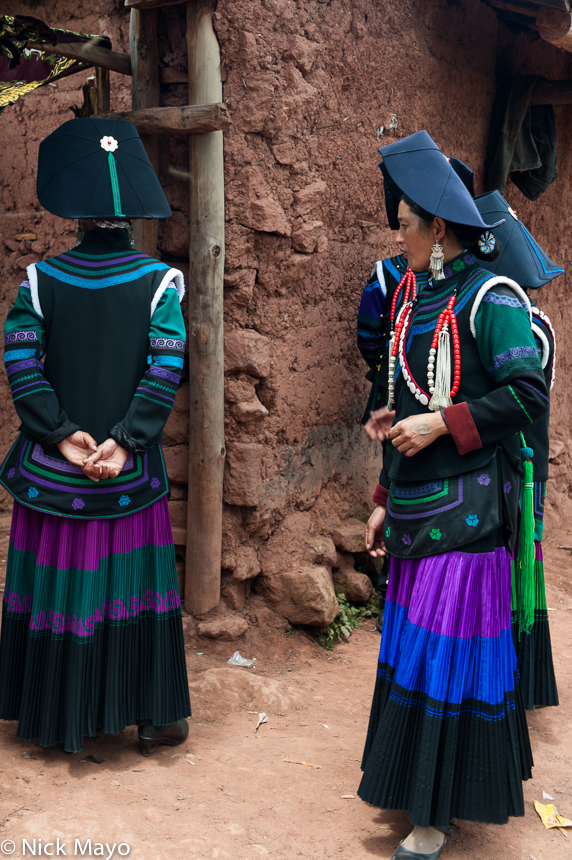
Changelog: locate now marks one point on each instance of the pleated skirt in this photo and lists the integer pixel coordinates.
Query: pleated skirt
(534, 649)
(447, 735)
(92, 637)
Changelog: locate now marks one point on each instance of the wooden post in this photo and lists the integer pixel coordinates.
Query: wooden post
(206, 268)
(103, 91)
(144, 46)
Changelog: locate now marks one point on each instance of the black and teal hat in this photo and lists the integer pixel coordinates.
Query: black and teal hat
(416, 167)
(520, 256)
(98, 168)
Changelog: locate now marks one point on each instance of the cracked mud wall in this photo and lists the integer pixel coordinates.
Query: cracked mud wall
(313, 88)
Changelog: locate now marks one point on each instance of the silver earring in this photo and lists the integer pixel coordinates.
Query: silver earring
(436, 262)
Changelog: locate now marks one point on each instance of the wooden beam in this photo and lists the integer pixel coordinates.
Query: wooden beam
(151, 4)
(555, 26)
(552, 93)
(90, 54)
(206, 360)
(519, 8)
(145, 93)
(190, 119)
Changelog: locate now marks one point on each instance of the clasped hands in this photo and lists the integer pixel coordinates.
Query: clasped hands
(97, 461)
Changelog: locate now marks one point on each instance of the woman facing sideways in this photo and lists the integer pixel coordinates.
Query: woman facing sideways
(447, 736)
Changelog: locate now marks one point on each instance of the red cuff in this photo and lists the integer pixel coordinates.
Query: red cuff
(462, 428)
(380, 496)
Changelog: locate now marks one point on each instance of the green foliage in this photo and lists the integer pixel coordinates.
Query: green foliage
(349, 618)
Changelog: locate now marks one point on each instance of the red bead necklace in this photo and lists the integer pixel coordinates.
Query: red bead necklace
(399, 329)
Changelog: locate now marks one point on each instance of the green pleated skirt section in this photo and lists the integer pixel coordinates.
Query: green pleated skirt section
(92, 637)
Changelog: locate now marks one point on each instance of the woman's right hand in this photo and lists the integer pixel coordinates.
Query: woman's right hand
(106, 462)
(379, 424)
(374, 533)
(77, 447)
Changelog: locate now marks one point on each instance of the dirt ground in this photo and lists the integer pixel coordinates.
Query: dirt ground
(228, 793)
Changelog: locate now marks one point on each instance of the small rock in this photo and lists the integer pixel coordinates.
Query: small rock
(356, 586)
(26, 260)
(234, 593)
(306, 238)
(240, 285)
(228, 627)
(293, 273)
(251, 411)
(309, 197)
(267, 216)
(247, 564)
(252, 110)
(243, 474)
(302, 52)
(350, 536)
(247, 351)
(296, 545)
(304, 596)
(178, 511)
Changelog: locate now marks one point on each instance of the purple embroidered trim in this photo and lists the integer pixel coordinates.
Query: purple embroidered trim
(166, 343)
(155, 482)
(510, 301)
(484, 479)
(155, 393)
(430, 513)
(26, 284)
(406, 540)
(507, 487)
(39, 456)
(416, 492)
(22, 365)
(164, 374)
(116, 610)
(30, 384)
(17, 336)
(106, 263)
(78, 504)
(540, 394)
(91, 491)
(515, 352)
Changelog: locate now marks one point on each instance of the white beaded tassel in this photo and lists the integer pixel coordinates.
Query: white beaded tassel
(441, 392)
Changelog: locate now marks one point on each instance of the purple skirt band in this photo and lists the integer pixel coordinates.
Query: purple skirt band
(457, 594)
(66, 543)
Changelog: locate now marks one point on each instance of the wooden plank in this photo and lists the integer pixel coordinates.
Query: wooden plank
(173, 76)
(145, 93)
(519, 8)
(552, 93)
(206, 270)
(555, 26)
(190, 119)
(151, 4)
(91, 54)
(103, 90)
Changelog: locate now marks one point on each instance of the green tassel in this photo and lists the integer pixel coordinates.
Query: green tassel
(524, 566)
(114, 185)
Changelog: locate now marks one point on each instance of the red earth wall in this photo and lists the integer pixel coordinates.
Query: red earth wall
(314, 88)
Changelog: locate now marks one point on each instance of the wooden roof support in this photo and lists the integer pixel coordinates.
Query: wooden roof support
(190, 119)
(552, 93)
(206, 269)
(145, 93)
(151, 4)
(555, 26)
(90, 54)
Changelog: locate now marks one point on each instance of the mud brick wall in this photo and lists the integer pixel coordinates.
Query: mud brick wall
(314, 88)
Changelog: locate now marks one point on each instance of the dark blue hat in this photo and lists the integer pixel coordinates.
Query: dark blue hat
(416, 167)
(521, 257)
(98, 168)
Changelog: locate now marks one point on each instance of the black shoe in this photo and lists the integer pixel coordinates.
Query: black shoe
(151, 736)
(402, 853)
(379, 622)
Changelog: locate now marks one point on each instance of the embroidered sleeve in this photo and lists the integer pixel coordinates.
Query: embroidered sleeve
(371, 317)
(35, 400)
(507, 349)
(153, 400)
